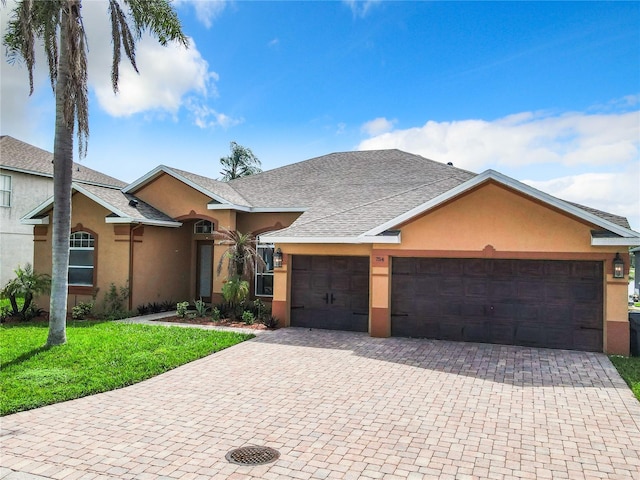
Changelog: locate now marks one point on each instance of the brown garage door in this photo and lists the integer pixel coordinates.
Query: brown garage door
(330, 292)
(539, 303)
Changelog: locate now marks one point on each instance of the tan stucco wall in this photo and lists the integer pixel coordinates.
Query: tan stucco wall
(162, 266)
(489, 222)
(173, 197)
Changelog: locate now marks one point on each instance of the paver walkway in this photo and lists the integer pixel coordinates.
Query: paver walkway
(345, 405)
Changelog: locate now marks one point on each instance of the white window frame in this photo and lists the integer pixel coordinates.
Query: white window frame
(82, 241)
(266, 272)
(201, 223)
(4, 192)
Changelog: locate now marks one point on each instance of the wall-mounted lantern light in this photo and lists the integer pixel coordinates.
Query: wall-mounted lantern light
(618, 267)
(277, 258)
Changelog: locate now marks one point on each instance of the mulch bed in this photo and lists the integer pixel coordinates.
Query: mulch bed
(208, 321)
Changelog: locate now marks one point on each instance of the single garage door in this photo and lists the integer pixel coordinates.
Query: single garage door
(538, 303)
(330, 292)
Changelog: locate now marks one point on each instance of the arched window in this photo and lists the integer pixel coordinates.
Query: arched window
(203, 226)
(264, 272)
(81, 259)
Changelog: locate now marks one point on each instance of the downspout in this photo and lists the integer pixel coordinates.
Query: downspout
(131, 243)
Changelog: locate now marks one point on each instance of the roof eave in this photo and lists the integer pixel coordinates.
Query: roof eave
(35, 221)
(364, 239)
(615, 241)
(142, 221)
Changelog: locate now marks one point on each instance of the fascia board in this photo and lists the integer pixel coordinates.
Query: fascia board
(243, 208)
(513, 184)
(25, 171)
(227, 206)
(164, 169)
(615, 241)
(38, 210)
(35, 221)
(333, 240)
(142, 221)
(146, 178)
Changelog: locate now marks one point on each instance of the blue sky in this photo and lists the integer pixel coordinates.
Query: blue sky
(545, 92)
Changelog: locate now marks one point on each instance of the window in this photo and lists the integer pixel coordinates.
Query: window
(203, 226)
(5, 191)
(264, 273)
(81, 249)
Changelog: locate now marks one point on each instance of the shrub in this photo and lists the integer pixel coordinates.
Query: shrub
(234, 291)
(167, 305)
(114, 300)
(181, 309)
(201, 307)
(260, 309)
(215, 314)
(143, 310)
(270, 321)
(248, 318)
(154, 307)
(80, 311)
(27, 284)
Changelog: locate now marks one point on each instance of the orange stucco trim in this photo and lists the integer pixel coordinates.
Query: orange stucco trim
(618, 336)
(279, 309)
(380, 323)
(489, 252)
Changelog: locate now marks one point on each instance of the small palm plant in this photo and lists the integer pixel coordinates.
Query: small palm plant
(27, 284)
(241, 254)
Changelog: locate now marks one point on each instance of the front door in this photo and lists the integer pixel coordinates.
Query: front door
(204, 271)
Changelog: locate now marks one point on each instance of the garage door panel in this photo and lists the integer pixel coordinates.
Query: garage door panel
(330, 292)
(530, 268)
(475, 287)
(538, 303)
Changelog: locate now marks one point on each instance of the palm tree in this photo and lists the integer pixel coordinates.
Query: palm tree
(58, 25)
(241, 254)
(241, 163)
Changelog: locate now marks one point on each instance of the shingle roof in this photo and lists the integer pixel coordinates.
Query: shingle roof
(126, 205)
(20, 156)
(349, 193)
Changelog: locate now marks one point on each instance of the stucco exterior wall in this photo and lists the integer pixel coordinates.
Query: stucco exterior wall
(162, 268)
(16, 240)
(489, 222)
(173, 197)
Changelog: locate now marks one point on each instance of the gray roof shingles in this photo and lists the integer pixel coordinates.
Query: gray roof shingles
(18, 155)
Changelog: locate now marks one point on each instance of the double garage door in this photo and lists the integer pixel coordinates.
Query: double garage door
(554, 304)
(538, 303)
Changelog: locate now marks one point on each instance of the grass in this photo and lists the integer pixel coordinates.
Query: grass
(98, 357)
(629, 369)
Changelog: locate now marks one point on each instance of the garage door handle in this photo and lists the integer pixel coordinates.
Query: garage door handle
(296, 307)
(326, 298)
(332, 299)
(399, 314)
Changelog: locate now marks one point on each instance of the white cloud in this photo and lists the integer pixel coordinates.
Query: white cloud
(378, 126)
(205, 117)
(522, 139)
(170, 78)
(206, 10)
(360, 8)
(167, 74)
(598, 153)
(615, 192)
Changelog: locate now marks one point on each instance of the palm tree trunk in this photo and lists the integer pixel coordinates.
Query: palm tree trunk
(62, 176)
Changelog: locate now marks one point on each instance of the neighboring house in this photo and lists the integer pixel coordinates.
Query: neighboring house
(383, 242)
(26, 180)
(636, 280)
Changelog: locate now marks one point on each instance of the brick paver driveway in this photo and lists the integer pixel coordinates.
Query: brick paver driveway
(344, 405)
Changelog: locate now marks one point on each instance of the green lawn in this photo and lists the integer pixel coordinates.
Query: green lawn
(629, 369)
(97, 357)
